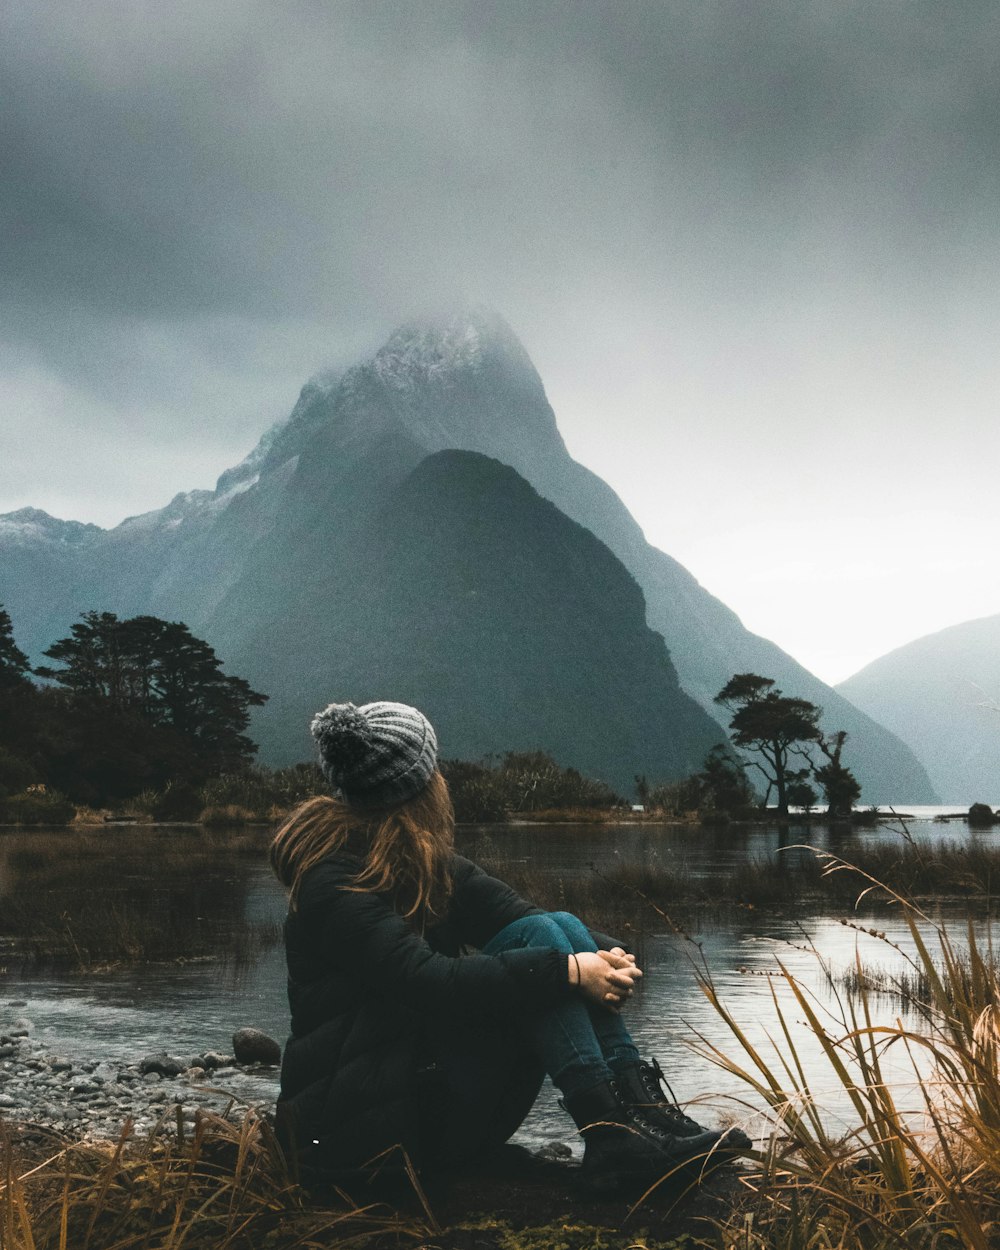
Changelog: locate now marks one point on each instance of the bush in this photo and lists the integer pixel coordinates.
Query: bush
(36, 807)
(227, 814)
(16, 774)
(177, 802)
(981, 815)
(260, 790)
(521, 782)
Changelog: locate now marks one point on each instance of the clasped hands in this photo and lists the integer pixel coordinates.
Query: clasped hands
(606, 978)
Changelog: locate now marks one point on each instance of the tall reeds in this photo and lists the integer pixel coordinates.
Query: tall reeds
(924, 1176)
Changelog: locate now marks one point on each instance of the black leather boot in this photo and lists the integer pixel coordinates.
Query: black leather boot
(641, 1088)
(623, 1150)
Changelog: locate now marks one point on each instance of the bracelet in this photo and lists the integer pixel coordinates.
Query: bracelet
(577, 962)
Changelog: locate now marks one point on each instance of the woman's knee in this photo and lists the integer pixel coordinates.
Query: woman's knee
(538, 930)
(574, 929)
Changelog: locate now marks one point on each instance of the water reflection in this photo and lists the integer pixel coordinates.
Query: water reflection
(211, 895)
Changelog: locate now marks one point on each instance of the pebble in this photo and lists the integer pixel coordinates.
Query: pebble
(44, 1083)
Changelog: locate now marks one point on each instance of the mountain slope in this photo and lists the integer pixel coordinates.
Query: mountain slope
(464, 592)
(463, 383)
(941, 695)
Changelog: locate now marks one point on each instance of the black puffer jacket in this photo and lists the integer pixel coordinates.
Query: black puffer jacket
(361, 985)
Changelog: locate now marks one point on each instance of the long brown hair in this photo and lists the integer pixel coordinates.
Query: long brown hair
(405, 849)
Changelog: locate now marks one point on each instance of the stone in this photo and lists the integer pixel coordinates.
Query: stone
(254, 1046)
(161, 1063)
(58, 1064)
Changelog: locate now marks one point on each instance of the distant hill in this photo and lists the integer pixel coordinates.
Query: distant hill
(227, 561)
(941, 695)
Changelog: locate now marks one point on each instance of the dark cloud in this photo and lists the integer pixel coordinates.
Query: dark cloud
(289, 160)
(718, 210)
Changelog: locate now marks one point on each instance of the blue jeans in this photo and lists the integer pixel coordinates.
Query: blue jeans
(489, 1075)
(578, 1044)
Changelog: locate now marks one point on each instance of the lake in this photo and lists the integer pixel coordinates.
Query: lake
(219, 896)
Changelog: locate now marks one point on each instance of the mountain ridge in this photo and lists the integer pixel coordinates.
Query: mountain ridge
(941, 694)
(465, 383)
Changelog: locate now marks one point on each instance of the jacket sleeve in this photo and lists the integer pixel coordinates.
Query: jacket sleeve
(361, 937)
(482, 906)
(605, 942)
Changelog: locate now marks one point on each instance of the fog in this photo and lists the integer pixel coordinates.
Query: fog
(752, 250)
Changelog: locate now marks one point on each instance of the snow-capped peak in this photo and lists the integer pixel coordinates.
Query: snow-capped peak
(431, 349)
(32, 525)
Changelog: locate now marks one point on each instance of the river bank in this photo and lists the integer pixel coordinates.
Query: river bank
(43, 1082)
(165, 1118)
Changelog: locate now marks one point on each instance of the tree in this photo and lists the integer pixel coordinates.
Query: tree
(19, 714)
(840, 786)
(14, 666)
(774, 726)
(800, 793)
(724, 782)
(145, 703)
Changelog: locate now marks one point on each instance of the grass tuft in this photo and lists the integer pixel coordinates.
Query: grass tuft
(923, 1177)
(220, 1185)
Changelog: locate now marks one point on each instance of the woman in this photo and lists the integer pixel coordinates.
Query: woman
(429, 1000)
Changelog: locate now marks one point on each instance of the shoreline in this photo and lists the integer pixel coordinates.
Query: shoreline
(92, 1099)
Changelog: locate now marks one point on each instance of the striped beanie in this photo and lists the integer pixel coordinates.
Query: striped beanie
(377, 754)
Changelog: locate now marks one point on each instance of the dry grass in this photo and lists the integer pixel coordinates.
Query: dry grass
(218, 1185)
(925, 1178)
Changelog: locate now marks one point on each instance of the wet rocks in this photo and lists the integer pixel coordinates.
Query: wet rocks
(57, 1089)
(161, 1064)
(254, 1046)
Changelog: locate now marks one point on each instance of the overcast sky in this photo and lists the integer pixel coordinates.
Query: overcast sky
(751, 247)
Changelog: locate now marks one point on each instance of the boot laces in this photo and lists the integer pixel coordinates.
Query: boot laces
(654, 1082)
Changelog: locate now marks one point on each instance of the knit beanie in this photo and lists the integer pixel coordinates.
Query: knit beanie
(377, 754)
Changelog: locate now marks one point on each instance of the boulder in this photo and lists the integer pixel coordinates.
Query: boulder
(981, 815)
(254, 1046)
(161, 1063)
(212, 1059)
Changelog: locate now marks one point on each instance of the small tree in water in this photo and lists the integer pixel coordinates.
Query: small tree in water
(840, 786)
(780, 729)
(776, 727)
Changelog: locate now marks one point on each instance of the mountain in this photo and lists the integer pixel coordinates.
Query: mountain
(941, 695)
(461, 590)
(222, 562)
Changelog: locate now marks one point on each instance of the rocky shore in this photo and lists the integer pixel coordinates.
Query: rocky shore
(93, 1099)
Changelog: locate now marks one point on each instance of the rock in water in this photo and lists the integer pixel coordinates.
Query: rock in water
(161, 1064)
(254, 1046)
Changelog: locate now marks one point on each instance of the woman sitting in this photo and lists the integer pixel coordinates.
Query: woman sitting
(429, 1000)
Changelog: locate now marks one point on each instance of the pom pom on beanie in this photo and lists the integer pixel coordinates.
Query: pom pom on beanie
(377, 754)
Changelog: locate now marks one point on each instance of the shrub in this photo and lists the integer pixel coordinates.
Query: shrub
(36, 807)
(521, 782)
(227, 814)
(177, 802)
